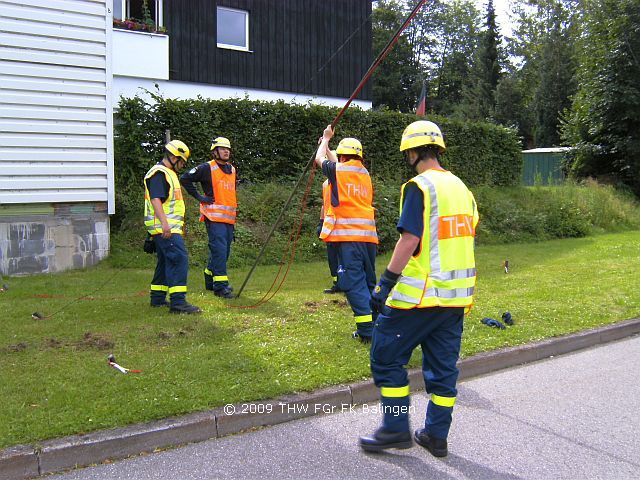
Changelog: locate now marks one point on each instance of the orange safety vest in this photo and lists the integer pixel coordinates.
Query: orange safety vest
(353, 219)
(225, 205)
(326, 198)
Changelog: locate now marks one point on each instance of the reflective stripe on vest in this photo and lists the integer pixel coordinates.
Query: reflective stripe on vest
(353, 219)
(173, 205)
(224, 209)
(443, 273)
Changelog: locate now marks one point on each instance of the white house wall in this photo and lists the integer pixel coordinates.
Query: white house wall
(56, 131)
(129, 87)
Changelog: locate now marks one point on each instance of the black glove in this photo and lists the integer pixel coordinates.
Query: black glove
(205, 199)
(490, 322)
(319, 227)
(149, 245)
(380, 293)
(507, 318)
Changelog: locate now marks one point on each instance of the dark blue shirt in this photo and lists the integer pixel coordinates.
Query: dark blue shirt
(412, 220)
(202, 175)
(329, 169)
(158, 186)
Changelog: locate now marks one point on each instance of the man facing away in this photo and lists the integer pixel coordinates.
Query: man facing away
(351, 226)
(423, 294)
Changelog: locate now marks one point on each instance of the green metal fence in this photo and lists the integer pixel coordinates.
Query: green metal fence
(543, 166)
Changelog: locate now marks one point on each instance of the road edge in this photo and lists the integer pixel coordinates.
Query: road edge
(28, 461)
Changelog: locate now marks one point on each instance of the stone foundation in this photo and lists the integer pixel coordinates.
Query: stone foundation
(49, 238)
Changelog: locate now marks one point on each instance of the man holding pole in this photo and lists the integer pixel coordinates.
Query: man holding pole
(332, 250)
(423, 294)
(350, 225)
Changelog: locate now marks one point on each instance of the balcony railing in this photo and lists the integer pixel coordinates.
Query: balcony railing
(140, 54)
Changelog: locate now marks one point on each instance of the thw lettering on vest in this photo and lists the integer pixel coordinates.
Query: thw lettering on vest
(454, 226)
(358, 189)
(226, 185)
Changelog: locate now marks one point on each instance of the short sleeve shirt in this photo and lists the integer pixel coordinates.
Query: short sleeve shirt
(329, 169)
(158, 186)
(412, 217)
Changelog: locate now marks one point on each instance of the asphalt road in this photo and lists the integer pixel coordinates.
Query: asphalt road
(570, 417)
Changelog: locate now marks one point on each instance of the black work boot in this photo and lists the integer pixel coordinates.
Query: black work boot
(224, 292)
(381, 440)
(363, 338)
(185, 308)
(334, 289)
(157, 304)
(436, 446)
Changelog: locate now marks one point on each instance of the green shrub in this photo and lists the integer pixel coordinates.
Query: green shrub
(507, 215)
(272, 142)
(525, 214)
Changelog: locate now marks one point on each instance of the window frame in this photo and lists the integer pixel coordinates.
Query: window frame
(125, 8)
(246, 29)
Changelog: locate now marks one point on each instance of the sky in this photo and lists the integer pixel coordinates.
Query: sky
(503, 9)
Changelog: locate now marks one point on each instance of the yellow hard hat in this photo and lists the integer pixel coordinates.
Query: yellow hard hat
(349, 146)
(179, 149)
(422, 133)
(220, 142)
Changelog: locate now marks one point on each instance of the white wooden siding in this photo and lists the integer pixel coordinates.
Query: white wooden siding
(55, 101)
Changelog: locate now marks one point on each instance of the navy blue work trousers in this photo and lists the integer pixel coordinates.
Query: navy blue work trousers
(357, 278)
(332, 259)
(438, 330)
(220, 238)
(171, 271)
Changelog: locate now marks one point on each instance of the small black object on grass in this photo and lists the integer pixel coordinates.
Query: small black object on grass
(490, 322)
(507, 318)
(37, 316)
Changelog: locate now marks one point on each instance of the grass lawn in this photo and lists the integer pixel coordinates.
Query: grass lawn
(55, 380)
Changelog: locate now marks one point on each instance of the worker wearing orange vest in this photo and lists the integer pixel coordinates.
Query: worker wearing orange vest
(423, 295)
(332, 250)
(164, 220)
(351, 226)
(218, 207)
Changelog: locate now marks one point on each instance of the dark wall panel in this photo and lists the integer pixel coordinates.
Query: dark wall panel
(289, 41)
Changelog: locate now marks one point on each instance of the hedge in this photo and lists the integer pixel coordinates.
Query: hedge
(273, 141)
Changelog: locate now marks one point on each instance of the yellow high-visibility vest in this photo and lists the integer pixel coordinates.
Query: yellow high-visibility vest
(443, 273)
(173, 205)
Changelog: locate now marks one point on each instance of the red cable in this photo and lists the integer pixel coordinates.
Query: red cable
(293, 244)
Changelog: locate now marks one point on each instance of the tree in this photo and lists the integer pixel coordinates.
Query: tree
(396, 79)
(457, 34)
(479, 100)
(604, 121)
(435, 49)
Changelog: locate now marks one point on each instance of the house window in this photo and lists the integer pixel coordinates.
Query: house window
(134, 9)
(233, 29)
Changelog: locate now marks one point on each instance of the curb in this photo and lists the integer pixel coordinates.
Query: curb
(28, 461)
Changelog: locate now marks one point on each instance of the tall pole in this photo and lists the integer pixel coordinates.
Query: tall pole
(381, 56)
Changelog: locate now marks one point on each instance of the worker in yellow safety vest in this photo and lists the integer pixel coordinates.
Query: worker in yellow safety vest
(423, 294)
(350, 225)
(164, 219)
(218, 208)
